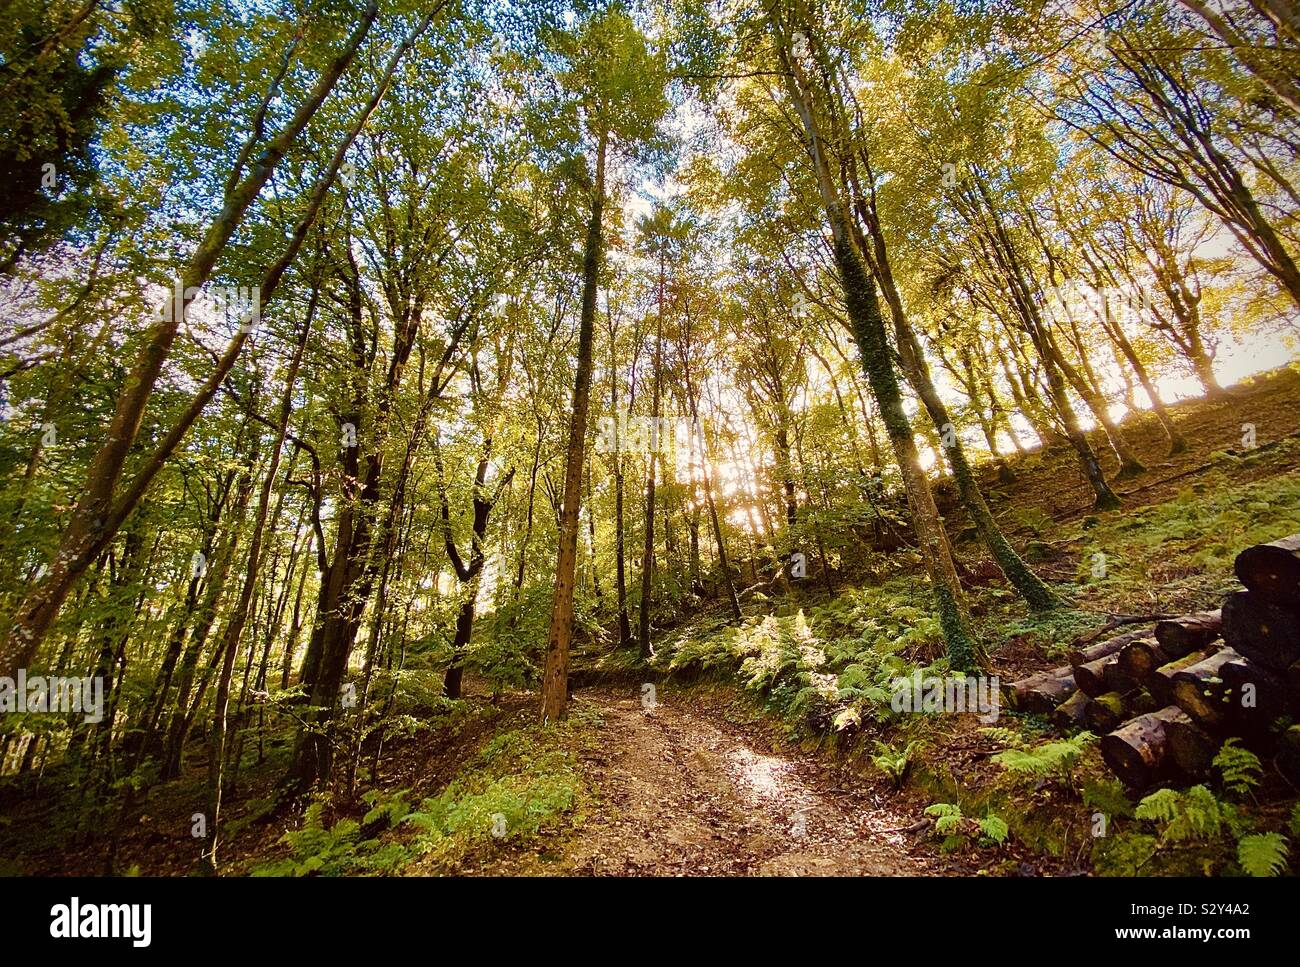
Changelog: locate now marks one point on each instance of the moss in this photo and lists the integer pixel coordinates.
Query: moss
(964, 653)
(873, 346)
(1106, 500)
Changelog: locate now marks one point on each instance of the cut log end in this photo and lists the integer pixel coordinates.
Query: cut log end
(1192, 748)
(1265, 632)
(1191, 632)
(1161, 681)
(1106, 712)
(1200, 691)
(1138, 659)
(1071, 713)
(1272, 570)
(1138, 752)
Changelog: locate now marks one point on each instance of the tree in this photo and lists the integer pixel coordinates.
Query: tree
(868, 328)
(615, 104)
(100, 510)
(659, 237)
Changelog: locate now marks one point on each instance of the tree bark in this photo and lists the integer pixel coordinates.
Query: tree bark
(239, 615)
(1139, 753)
(555, 672)
(873, 344)
(653, 460)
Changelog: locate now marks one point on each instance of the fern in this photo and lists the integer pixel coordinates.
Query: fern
(947, 815)
(894, 762)
(866, 686)
(1196, 814)
(318, 851)
(1108, 797)
(1125, 854)
(1161, 806)
(1239, 767)
(1197, 818)
(1004, 737)
(392, 807)
(994, 829)
(958, 830)
(1262, 854)
(1294, 824)
(1049, 759)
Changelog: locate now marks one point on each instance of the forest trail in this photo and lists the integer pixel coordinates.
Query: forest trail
(682, 791)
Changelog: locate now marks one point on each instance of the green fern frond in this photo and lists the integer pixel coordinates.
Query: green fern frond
(1160, 806)
(1050, 758)
(1195, 814)
(1004, 736)
(943, 809)
(1108, 797)
(994, 828)
(947, 815)
(1262, 854)
(894, 762)
(1239, 767)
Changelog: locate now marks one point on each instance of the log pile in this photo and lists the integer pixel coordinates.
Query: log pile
(1165, 696)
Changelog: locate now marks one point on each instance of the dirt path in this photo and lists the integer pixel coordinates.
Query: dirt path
(681, 791)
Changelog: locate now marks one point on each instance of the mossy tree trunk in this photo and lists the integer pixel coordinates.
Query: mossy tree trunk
(873, 345)
(1021, 577)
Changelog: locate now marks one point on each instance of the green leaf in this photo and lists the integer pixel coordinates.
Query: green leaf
(1239, 767)
(994, 828)
(1262, 854)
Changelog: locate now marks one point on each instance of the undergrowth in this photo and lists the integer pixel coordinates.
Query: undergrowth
(518, 785)
(827, 670)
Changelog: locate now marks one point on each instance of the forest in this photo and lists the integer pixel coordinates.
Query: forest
(650, 438)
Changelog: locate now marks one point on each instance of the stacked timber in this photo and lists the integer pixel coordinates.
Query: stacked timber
(1165, 696)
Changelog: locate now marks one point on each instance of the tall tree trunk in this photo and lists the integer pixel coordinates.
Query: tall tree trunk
(620, 556)
(620, 539)
(217, 572)
(1034, 326)
(653, 461)
(529, 516)
(555, 674)
(591, 536)
(1177, 443)
(1129, 464)
(239, 615)
(873, 344)
(1021, 577)
(295, 623)
(468, 574)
